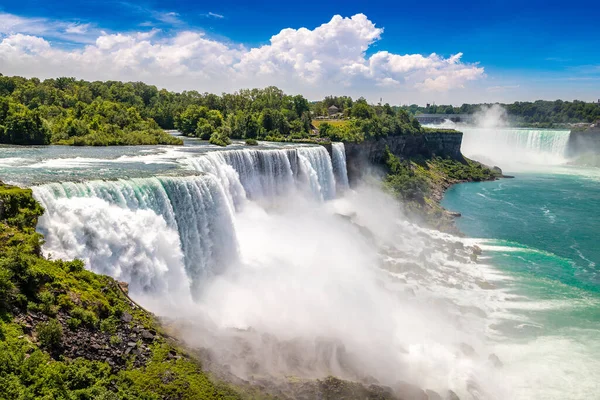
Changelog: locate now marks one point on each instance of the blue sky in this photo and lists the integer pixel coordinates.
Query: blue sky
(509, 50)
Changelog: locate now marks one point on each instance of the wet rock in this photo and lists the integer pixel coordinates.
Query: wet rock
(452, 396)
(432, 395)
(168, 377)
(477, 250)
(147, 335)
(458, 245)
(126, 317)
(124, 287)
(467, 350)
(495, 360)
(406, 391)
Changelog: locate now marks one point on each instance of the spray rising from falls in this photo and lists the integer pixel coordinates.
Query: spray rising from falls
(513, 146)
(493, 141)
(160, 233)
(276, 281)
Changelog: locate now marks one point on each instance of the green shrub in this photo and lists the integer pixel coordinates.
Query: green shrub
(220, 139)
(115, 340)
(49, 333)
(73, 323)
(86, 317)
(109, 325)
(6, 287)
(47, 301)
(251, 142)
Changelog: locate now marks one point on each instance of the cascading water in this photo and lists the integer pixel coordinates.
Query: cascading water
(273, 280)
(192, 216)
(155, 233)
(512, 146)
(338, 158)
(267, 174)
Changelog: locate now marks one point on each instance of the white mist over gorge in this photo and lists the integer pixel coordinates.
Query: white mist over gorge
(264, 265)
(299, 201)
(265, 258)
(492, 140)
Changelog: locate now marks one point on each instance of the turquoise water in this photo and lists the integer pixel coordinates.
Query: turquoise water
(554, 216)
(541, 229)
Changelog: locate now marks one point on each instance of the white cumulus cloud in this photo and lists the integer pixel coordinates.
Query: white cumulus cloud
(331, 57)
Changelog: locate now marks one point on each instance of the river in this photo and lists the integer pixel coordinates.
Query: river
(264, 256)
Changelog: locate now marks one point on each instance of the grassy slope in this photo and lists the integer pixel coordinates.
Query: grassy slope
(334, 122)
(44, 303)
(420, 184)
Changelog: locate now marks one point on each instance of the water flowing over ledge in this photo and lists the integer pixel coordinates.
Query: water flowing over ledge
(170, 234)
(278, 274)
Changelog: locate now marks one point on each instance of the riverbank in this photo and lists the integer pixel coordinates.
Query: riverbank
(420, 184)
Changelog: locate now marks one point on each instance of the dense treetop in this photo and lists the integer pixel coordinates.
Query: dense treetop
(70, 111)
(539, 112)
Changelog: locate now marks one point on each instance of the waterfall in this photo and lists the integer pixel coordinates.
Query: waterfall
(316, 167)
(338, 156)
(158, 234)
(169, 234)
(310, 284)
(515, 145)
(266, 174)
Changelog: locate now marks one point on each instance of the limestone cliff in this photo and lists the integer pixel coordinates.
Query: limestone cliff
(359, 156)
(582, 141)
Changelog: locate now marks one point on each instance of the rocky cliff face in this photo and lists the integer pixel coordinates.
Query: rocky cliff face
(584, 141)
(360, 156)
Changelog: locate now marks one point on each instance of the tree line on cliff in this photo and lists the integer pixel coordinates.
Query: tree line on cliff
(541, 112)
(77, 112)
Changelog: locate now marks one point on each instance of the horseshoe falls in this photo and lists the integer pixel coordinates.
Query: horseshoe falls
(515, 148)
(265, 257)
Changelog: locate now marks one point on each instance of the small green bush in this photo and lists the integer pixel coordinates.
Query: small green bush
(49, 333)
(73, 323)
(220, 139)
(47, 300)
(108, 325)
(87, 317)
(115, 340)
(251, 142)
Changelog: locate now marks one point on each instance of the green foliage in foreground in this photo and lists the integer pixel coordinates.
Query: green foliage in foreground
(420, 183)
(31, 364)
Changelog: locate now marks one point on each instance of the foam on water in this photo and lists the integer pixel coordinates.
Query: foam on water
(279, 271)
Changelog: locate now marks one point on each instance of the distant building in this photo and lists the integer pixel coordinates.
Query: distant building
(333, 110)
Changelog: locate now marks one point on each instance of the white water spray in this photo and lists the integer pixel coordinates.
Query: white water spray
(493, 141)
